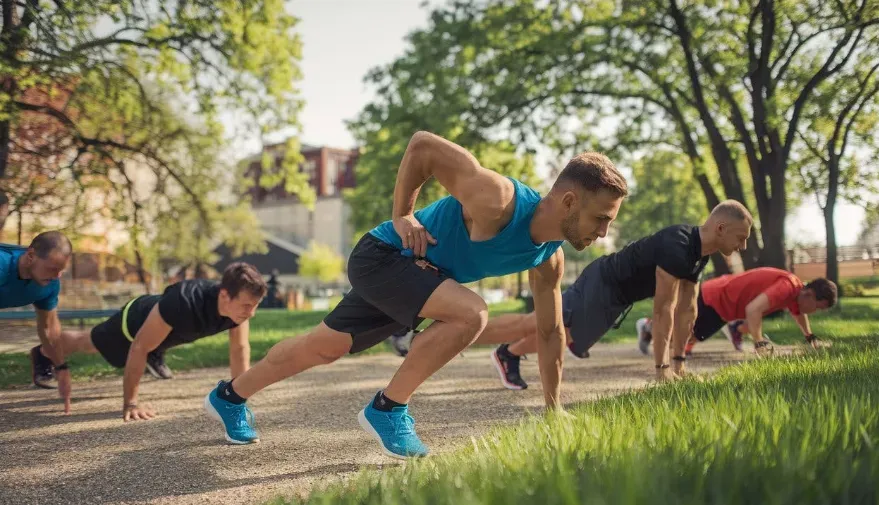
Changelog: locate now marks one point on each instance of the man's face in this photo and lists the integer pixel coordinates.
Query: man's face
(808, 303)
(733, 236)
(242, 307)
(589, 215)
(45, 270)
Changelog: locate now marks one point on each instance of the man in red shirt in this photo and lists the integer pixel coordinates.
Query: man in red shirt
(743, 299)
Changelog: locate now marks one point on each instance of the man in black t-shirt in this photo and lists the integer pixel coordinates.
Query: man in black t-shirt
(185, 312)
(665, 266)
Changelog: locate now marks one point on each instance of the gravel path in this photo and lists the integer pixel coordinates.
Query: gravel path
(308, 427)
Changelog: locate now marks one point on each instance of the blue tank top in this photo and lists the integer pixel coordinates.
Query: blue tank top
(464, 260)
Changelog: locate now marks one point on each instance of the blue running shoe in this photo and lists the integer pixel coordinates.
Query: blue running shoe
(394, 430)
(237, 419)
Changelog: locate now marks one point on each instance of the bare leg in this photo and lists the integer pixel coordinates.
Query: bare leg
(77, 341)
(508, 328)
(460, 316)
(320, 346)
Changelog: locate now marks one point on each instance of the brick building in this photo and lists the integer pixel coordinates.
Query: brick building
(331, 171)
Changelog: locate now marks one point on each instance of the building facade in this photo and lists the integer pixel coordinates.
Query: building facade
(282, 215)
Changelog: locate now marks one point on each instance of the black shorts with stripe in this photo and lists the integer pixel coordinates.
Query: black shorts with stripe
(108, 337)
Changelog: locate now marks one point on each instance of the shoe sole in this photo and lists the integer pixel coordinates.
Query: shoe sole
(502, 373)
(155, 373)
(365, 424)
(209, 407)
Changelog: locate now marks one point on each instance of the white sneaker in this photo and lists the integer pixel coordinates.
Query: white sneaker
(643, 328)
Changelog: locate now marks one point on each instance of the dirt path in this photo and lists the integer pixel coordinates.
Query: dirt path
(307, 424)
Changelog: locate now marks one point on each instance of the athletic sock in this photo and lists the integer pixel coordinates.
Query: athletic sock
(229, 394)
(504, 350)
(385, 404)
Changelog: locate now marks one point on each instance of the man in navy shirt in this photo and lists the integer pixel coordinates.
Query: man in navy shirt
(30, 276)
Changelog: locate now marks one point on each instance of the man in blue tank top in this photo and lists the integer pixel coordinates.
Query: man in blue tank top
(30, 276)
(411, 268)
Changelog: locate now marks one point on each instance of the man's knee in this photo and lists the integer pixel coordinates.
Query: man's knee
(328, 345)
(472, 318)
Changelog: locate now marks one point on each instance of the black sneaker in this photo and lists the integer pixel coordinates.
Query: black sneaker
(156, 366)
(507, 366)
(41, 370)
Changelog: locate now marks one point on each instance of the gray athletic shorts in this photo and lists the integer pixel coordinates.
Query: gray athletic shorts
(590, 307)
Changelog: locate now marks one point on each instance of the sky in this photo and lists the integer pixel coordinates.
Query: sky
(343, 39)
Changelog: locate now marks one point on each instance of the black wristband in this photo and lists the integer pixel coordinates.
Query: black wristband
(129, 406)
(811, 338)
(664, 365)
(762, 343)
(62, 366)
(680, 358)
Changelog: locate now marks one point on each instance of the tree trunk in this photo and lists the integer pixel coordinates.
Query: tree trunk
(20, 226)
(832, 257)
(4, 210)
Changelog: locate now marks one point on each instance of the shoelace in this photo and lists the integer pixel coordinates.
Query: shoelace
(243, 415)
(405, 425)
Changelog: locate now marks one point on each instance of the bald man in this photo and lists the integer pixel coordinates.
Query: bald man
(666, 266)
(31, 276)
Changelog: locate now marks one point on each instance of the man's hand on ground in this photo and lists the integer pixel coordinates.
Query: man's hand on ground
(135, 413)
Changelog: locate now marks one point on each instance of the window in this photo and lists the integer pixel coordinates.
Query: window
(331, 176)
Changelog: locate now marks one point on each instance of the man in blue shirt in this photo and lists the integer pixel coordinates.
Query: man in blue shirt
(31, 276)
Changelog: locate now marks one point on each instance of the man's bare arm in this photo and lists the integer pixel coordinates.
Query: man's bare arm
(664, 301)
(684, 319)
(149, 336)
(545, 281)
(239, 349)
(49, 331)
(485, 194)
(803, 322)
(754, 316)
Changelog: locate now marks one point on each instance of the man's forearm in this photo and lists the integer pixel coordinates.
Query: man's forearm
(239, 360)
(410, 177)
(755, 326)
(662, 326)
(803, 322)
(549, 352)
(49, 332)
(134, 367)
(683, 329)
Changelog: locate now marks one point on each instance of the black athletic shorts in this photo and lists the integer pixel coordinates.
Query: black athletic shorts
(590, 307)
(708, 321)
(388, 292)
(109, 338)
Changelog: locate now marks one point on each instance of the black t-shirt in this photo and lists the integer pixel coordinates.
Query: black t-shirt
(189, 308)
(676, 249)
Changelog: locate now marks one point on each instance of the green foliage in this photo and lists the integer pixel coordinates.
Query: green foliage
(127, 91)
(664, 193)
(321, 262)
(726, 84)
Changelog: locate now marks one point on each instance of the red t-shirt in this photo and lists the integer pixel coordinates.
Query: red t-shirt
(730, 294)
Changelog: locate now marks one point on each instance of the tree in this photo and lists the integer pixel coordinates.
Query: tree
(839, 131)
(725, 83)
(409, 99)
(664, 193)
(321, 262)
(144, 82)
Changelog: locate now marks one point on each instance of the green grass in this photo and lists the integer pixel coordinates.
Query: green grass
(797, 430)
(266, 329)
